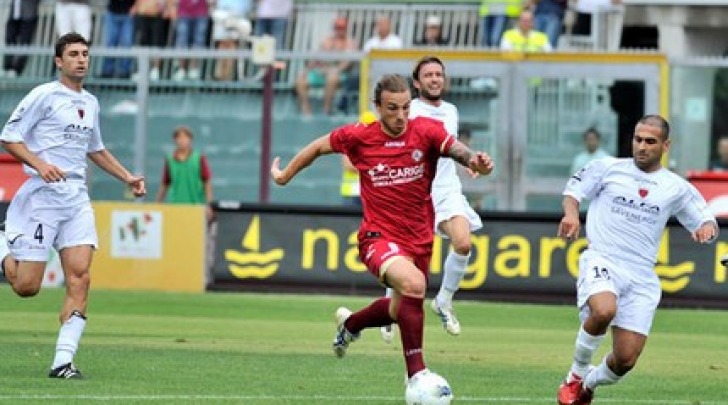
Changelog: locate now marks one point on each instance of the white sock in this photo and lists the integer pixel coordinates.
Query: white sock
(68, 338)
(586, 346)
(455, 267)
(602, 375)
(388, 293)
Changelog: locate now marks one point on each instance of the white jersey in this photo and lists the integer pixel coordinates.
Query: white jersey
(59, 125)
(446, 177)
(630, 208)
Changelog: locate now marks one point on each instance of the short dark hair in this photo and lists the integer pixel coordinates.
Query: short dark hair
(182, 129)
(422, 62)
(657, 121)
(67, 39)
(391, 83)
(591, 130)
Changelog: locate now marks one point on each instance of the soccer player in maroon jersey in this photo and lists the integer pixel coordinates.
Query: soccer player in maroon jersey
(396, 158)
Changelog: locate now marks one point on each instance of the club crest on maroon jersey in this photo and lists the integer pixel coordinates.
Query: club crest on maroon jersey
(417, 155)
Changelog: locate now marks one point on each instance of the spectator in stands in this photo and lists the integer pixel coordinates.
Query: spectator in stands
(272, 19)
(151, 24)
(384, 38)
(523, 38)
(186, 177)
(433, 33)
(326, 73)
(496, 16)
(19, 30)
(591, 138)
(73, 16)
(192, 21)
(350, 194)
(118, 32)
(549, 18)
(585, 9)
(721, 164)
(230, 25)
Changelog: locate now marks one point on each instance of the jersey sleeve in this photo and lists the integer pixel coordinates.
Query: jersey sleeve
(24, 118)
(693, 211)
(95, 144)
(343, 138)
(586, 182)
(443, 141)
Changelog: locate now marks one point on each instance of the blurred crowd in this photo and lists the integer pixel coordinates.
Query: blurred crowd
(521, 25)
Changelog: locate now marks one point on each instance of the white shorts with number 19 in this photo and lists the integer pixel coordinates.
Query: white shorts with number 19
(44, 215)
(637, 296)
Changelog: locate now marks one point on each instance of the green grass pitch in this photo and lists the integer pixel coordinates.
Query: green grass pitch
(143, 347)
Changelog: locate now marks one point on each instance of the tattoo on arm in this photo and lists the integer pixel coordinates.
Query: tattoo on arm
(460, 153)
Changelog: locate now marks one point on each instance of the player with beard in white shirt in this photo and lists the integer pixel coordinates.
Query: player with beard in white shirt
(631, 202)
(52, 131)
(454, 218)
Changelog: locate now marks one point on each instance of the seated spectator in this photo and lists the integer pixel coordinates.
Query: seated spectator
(19, 30)
(524, 38)
(549, 18)
(73, 16)
(118, 32)
(384, 37)
(496, 16)
(433, 33)
(192, 20)
(585, 9)
(721, 164)
(326, 73)
(272, 18)
(229, 25)
(591, 138)
(151, 25)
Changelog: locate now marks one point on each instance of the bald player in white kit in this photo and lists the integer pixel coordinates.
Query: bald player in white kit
(631, 202)
(52, 131)
(454, 218)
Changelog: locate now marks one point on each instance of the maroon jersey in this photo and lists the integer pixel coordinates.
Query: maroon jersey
(396, 176)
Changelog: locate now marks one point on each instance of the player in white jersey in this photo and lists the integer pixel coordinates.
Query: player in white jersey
(52, 131)
(454, 218)
(631, 202)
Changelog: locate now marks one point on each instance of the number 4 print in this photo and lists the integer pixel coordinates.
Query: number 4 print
(39, 233)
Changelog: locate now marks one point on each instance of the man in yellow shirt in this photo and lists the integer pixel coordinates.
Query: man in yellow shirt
(524, 38)
(495, 17)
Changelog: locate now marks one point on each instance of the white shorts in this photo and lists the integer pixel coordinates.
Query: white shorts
(449, 204)
(637, 299)
(42, 216)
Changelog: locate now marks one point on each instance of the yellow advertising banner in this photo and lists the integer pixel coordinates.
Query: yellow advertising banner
(149, 247)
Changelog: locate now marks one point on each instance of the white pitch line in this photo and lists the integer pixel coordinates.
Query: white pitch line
(325, 398)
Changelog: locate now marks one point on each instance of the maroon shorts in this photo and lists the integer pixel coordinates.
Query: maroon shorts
(378, 253)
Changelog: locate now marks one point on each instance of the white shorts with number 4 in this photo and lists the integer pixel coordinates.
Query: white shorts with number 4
(637, 297)
(42, 216)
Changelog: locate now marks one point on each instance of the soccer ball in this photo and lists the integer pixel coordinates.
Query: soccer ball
(428, 388)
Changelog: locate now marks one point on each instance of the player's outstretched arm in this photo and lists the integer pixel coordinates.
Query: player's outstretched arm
(105, 160)
(48, 172)
(303, 159)
(478, 162)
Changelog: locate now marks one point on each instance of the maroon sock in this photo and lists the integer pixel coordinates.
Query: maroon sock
(410, 317)
(376, 314)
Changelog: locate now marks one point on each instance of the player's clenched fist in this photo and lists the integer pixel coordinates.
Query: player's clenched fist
(50, 173)
(481, 163)
(277, 173)
(569, 227)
